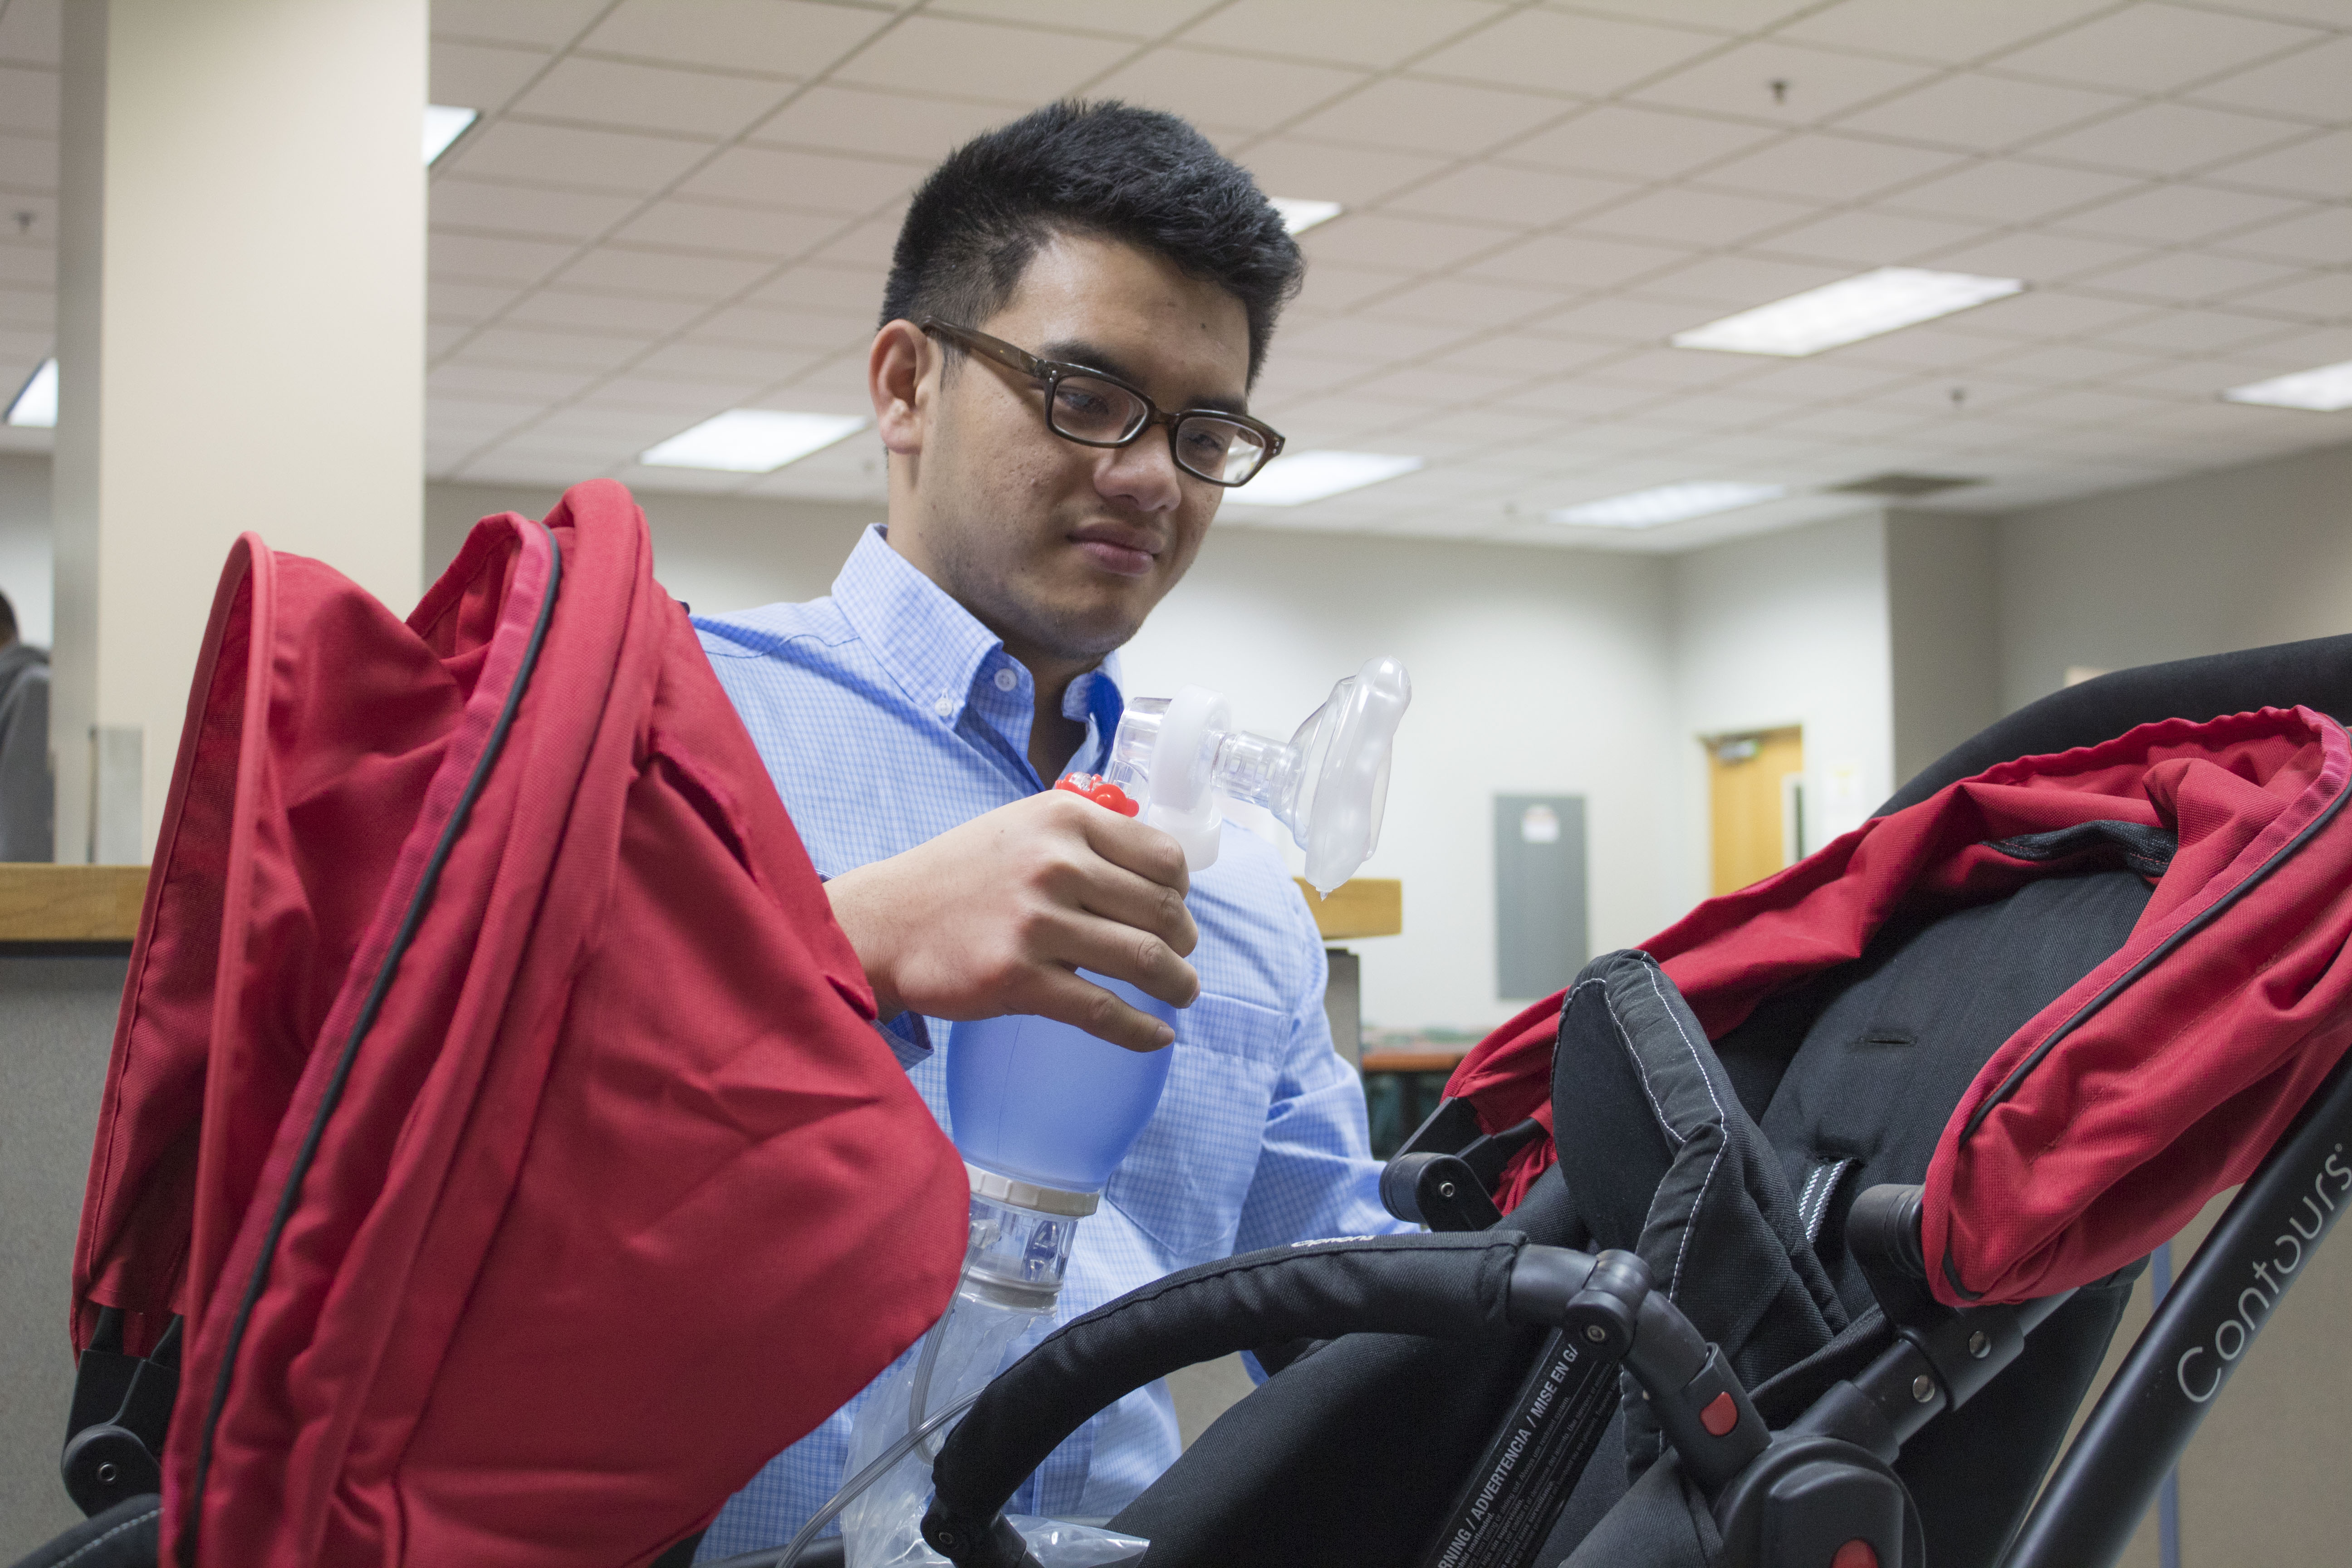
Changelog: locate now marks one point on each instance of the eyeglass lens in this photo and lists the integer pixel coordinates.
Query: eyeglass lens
(1102, 413)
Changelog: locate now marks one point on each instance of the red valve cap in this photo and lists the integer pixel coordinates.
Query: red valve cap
(1720, 1417)
(1856, 1553)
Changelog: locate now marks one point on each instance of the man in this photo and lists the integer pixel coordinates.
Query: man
(25, 786)
(1076, 307)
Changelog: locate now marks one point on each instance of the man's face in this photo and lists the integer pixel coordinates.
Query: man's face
(1059, 549)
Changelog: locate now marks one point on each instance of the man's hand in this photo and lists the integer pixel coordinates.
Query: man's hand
(994, 917)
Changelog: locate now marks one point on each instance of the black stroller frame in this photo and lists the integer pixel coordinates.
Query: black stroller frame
(1819, 1492)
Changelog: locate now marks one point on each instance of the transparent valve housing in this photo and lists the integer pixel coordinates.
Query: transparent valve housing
(1328, 783)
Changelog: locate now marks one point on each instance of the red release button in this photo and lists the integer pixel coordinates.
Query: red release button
(1856, 1553)
(1719, 1417)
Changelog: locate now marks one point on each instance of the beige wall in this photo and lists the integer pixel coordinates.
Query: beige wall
(2235, 559)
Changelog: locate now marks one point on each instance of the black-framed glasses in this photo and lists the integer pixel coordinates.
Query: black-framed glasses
(1095, 409)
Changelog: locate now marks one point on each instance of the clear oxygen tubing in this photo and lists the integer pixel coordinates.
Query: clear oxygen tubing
(851, 1491)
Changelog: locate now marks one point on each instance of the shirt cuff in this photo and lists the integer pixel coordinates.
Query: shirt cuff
(908, 1038)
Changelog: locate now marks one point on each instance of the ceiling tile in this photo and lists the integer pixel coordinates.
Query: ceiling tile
(1422, 384)
(1737, 17)
(1463, 302)
(1527, 196)
(1024, 65)
(2167, 138)
(779, 37)
(1951, 33)
(1124, 18)
(1403, 244)
(889, 125)
(1640, 144)
(1366, 340)
(2194, 378)
(2321, 296)
(667, 272)
(1323, 170)
(1333, 289)
(1225, 90)
(462, 382)
(818, 181)
(1696, 217)
(2323, 237)
(2152, 47)
(2299, 349)
(2035, 256)
(1375, 34)
(1582, 395)
(869, 244)
(1625, 320)
(1290, 378)
(567, 351)
(1924, 348)
(650, 98)
(1816, 380)
(1867, 238)
(1826, 167)
(2321, 166)
(2010, 191)
(1522, 352)
(574, 156)
(29, 161)
(1430, 116)
(481, 76)
(2185, 276)
(775, 233)
(2309, 83)
(603, 313)
(1981, 112)
(767, 327)
(524, 209)
(1661, 366)
(2045, 313)
(850, 291)
(1822, 82)
(721, 362)
(1592, 56)
(440, 337)
(2070, 363)
(448, 299)
(682, 399)
(28, 100)
(1737, 282)
(543, 23)
(32, 307)
(1575, 261)
(493, 260)
(31, 31)
(27, 264)
(2192, 332)
(2178, 214)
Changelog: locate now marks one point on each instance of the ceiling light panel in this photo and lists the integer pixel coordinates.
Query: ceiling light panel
(2326, 390)
(1668, 503)
(752, 440)
(35, 407)
(444, 123)
(1847, 311)
(1300, 214)
(1297, 478)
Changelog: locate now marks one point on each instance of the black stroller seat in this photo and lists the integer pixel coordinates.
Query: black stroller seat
(1723, 1325)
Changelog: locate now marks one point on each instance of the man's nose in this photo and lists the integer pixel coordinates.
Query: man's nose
(1142, 475)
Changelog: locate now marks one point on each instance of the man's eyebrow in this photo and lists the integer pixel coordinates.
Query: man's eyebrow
(1094, 356)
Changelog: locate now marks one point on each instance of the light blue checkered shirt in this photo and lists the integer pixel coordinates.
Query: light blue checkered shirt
(887, 715)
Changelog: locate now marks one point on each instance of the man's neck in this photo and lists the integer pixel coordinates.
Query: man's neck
(1053, 739)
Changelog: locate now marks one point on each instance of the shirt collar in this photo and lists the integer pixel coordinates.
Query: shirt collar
(938, 651)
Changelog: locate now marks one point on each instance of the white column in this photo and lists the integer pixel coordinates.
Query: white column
(240, 346)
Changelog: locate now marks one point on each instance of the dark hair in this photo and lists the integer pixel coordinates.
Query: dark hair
(8, 620)
(1108, 169)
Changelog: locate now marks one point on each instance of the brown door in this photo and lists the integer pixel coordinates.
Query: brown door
(1756, 812)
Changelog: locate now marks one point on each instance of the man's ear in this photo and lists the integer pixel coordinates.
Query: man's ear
(895, 370)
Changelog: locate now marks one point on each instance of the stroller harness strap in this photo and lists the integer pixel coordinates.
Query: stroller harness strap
(489, 1076)
(2197, 1040)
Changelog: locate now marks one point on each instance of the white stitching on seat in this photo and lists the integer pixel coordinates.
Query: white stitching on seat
(1625, 1040)
(1674, 1283)
(89, 1546)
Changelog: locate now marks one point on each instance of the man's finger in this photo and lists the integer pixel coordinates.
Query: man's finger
(1142, 849)
(1067, 999)
(1118, 894)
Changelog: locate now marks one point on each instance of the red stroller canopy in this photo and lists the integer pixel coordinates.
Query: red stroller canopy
(492, 1091)
(2197, 1041)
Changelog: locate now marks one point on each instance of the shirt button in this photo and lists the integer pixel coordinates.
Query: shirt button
(1006, 681)
(944, 707)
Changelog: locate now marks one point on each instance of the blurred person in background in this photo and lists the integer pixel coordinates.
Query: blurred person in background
(26, 791)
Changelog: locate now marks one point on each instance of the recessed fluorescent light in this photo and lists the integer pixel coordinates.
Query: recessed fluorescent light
(2325, 390)
(1302, 477)
(1847, 311)
(1298, 215)
(444, 123)
(752, 440)
(35, 405)
(1668, 503)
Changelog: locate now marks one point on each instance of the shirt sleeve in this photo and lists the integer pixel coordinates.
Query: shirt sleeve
(909, 1035)
(1316, 1175)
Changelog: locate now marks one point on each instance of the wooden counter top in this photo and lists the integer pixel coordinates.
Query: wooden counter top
(1365, 906)
(71, 903)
